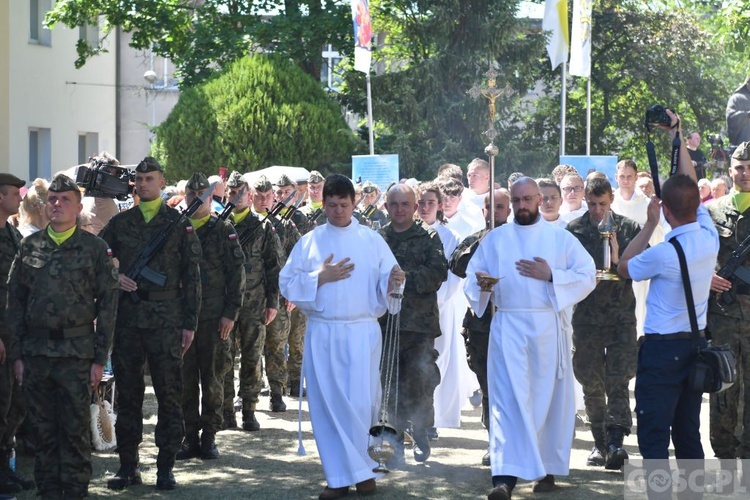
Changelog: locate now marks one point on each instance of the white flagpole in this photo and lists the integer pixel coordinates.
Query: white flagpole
(563, 101)
(588, 118)
(369, 115)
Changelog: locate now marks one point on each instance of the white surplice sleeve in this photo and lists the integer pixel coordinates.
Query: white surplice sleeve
(298, 279)
(577, 279)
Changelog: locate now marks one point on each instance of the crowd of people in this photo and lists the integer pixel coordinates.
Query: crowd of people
(190, 280)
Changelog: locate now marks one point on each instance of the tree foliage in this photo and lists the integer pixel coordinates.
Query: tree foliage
(201, 37)
(262, 111)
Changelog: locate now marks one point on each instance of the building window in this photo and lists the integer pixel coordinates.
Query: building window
(40, 153)
(90, 34)
(329, 73)
(88, 145)
(38, 34)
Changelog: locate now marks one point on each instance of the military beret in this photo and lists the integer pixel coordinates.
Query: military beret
(742, 152)
(197, 182)
(369, 187)
(236, 180)
(62, 182)
(149, 164)
(11, 180)
(262, 184)
(284, 180)
(315, 176)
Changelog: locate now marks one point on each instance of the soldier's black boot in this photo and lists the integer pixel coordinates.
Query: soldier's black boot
(294, 389)
(164, 477)
(277, 402)
(7, 475)
(209, 451)
(8, 486)
(616, 454)
(599, 451)
(249, 422)
(126, 476)
(191, 448)
(230, 420)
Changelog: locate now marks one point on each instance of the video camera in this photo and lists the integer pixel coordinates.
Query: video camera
(716, 141)
(103, 179)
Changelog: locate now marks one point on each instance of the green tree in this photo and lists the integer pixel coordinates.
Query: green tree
(201, 37)
(263, 110)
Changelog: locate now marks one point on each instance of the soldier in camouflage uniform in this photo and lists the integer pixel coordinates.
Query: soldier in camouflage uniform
(62, 280)
(277, 331)
(419, 253)
(604, 333)
(155, 324)
(222, 286)
(369, 203)
(297, 319)
(314, 207)
(476, 329)
(728, 322)
(260, 305)
(12, 402)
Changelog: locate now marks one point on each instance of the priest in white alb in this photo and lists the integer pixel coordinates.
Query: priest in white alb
(543, 272)
(340, 275)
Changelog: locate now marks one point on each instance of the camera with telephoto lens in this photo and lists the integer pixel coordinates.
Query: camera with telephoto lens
(101, 178)
(657, 115)
(716, 141)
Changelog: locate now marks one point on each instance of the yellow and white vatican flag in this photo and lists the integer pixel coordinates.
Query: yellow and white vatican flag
(580, 44)
(556, 22)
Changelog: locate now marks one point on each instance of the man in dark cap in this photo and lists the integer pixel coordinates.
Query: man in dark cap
(369, 207)
(156, 322)
(277, 331)
(222, 283)
(314, 207)
(263, 261)
(12, 402)
(727, 322)
(62, 301)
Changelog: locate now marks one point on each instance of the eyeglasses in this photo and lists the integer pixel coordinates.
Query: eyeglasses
(571, 189)
(547, 199)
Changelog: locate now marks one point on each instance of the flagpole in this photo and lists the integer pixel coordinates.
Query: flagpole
(588, 118)
(563, 101)
(369, 114)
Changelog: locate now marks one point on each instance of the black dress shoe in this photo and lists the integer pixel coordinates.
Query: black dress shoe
(126, 476)
(165, 480)
(432, 434)
(500, 492)
(544, 485)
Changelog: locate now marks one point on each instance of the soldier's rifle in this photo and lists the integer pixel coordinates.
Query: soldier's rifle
(734, 268)
(140, 267)
(370, 209)
(225, 213)
(290, 211)
(248, 233)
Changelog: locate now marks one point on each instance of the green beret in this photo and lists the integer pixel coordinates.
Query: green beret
(742, 152)
(149, 164)
(284, 180)
(62, 182)
(197, 182)
(315, 176)
(262, 184)
(236, 180)
(11, 180)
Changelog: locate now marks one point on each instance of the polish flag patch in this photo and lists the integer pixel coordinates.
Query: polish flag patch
(232, 236)
(189, 228)
(109, 252)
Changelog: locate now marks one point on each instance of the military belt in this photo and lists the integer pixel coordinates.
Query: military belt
(673, 336)
(156, 295)
(62, 333)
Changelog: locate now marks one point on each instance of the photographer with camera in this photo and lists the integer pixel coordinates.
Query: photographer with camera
(664, 403)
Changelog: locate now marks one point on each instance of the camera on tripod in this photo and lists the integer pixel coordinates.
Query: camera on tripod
(716, 141)
(102, 178)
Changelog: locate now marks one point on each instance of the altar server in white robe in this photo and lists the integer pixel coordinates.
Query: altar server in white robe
(460, 219)
(339, 275)
(544, 272)
(449, 396)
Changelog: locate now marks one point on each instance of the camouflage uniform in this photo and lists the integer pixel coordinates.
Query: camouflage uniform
(151, 330)
(55, 293)
(203, 366)
(604, 335)
(728, 324)
(263, 262)
(476, 330)
(419, 252)
(277, 332)
(12, 402)
(316, 216)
